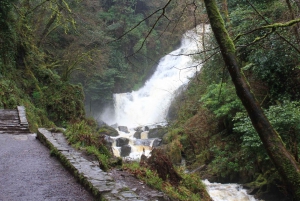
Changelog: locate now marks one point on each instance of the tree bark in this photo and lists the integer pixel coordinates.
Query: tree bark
(225, 10)
(283, 160)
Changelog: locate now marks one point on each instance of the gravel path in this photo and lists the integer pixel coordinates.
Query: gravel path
(28, 173)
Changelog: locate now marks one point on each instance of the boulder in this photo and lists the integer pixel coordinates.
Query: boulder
(115, 126)
(157, 132)
(107, 130)
(108, 141)
(137, 134)
(121, 141)
(125, 150)
(138, 129)
(156, 142)
(123, 129)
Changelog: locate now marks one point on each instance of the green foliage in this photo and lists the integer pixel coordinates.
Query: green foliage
(276, 68)
(64, 103)
(84, 135)
(222, 100)
(284, 118)
(273, 60)
(190, 188)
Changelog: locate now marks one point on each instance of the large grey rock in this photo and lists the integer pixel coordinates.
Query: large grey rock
(121, 141)
(137, 134)
(123, 129)
(108, 141)
(108, 130)
(139, 129)
(125, 150)
(115, 126)
(157, 132)
(157, 142)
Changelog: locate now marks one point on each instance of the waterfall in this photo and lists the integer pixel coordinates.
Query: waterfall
(149, 106)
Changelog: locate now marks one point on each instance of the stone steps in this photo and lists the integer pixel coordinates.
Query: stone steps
(13, 121)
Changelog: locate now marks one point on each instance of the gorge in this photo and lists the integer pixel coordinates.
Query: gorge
(148, 107)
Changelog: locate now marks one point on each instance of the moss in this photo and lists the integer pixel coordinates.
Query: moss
(258, 184)
(218, 27)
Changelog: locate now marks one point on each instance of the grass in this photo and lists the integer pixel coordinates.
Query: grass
(190, 188)
(85, 136)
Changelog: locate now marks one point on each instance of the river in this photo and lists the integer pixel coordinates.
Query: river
(149, 105)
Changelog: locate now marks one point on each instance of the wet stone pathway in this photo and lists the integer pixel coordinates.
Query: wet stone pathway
(90, 175)
(28, 172)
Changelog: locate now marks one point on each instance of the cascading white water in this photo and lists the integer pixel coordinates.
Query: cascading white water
(149, 105)
(227, 192)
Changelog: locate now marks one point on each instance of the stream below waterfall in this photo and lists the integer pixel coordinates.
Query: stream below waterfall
(136, 112)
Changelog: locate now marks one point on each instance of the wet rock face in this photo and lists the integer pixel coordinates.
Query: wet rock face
(125, 150)
(139, 129)
(157, 132)
(137, 134)
(108, 141)
(121, 141)
(156, 142)
(123, 129)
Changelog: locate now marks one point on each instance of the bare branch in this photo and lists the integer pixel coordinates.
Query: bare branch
(271, 26)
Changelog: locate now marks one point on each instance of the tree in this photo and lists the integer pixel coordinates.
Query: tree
(283, 160)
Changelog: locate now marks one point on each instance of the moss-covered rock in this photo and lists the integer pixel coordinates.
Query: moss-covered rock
(157, 132)
(108, 130)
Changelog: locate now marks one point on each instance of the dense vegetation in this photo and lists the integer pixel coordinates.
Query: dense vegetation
(227, 147)
(62, 59)
(57, 56)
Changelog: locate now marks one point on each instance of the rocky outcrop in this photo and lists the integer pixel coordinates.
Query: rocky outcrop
(108, 130)
(156, 142)
(121, 141)
(137, 134)
(123, 129)
(157, 132)
(125, 150)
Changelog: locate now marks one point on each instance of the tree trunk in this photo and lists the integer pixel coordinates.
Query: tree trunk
(225, 10)
(283, 160)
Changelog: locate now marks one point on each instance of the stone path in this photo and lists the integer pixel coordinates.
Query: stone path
(90, 175)
(28, 172)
